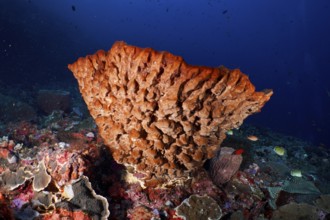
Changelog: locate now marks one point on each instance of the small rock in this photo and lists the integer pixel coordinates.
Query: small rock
(12, 158)
(90, 135)
(51, 100)
(63, 145)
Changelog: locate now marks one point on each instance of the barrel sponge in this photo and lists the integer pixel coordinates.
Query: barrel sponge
(159, 115)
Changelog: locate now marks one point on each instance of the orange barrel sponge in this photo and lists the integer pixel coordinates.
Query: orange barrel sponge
(158, 115)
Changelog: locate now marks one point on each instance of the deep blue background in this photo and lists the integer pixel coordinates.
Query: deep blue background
(280, 44)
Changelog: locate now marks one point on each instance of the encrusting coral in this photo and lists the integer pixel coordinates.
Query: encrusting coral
(159, 115)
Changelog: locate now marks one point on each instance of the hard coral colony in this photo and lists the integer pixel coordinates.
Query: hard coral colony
(160, 116)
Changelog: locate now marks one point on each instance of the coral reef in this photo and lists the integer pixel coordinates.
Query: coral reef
(48, 182)
(60, 168)
(157, 114)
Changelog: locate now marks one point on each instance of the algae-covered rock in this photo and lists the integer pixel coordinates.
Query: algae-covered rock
(295, 211)
(199, 207)
(323, 203)
(87, 200)
(301, 186)
(295, 185)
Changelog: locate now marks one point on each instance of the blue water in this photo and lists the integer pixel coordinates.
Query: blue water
(282, 45)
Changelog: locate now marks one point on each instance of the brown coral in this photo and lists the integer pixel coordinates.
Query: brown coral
(158, 114)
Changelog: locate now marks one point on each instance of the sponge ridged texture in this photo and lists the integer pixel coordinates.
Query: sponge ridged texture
(158, 114)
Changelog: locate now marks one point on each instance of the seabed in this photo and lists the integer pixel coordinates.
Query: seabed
(56, 166)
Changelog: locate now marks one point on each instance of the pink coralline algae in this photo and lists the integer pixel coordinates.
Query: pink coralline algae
(205, 186)
(6, 147)
(140, 213)
(25, 196)
(6, 143)
(199, 207)
(23, 130)
(27, 133)
(61, 213)
(136, 194)
(154, 198)
(64, 165)
(166, 196)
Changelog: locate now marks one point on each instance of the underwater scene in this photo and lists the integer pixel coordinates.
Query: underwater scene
(164, 109)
